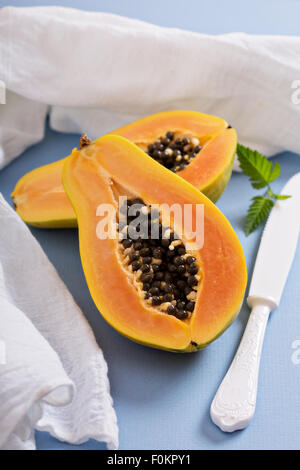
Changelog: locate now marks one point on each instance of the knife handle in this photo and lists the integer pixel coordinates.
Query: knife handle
(234, 404)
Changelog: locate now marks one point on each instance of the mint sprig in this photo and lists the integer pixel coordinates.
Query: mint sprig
(257, 212)
(261, 173)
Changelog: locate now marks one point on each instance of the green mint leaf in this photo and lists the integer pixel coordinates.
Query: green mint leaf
(259, 169)
(281, 196)
(257, 213)
(261, 173)
(276, 170)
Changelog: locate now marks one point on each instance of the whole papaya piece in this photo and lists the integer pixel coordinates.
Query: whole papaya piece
(176, 279)
(198, 147)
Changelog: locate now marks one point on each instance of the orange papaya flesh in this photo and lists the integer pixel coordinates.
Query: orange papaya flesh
(39, 197)
(211, 173)
(89, 178)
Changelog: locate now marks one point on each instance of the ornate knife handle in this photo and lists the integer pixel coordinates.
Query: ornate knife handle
(234, 404)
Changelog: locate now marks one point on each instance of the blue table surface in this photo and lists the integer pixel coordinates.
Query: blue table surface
(161, 399)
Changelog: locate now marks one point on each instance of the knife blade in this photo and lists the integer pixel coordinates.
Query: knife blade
(234, 404)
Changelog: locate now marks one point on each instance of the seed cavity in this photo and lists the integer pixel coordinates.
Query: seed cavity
(174, 152)
(164, 273)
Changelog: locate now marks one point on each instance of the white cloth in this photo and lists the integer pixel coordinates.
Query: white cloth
(98, 71)
(53, 376)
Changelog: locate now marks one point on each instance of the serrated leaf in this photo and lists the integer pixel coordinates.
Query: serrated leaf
(259, 169)
(281, 196)
(276, 170)
(257, 213)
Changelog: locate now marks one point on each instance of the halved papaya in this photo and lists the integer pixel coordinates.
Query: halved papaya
(164, 291)
(196, 146)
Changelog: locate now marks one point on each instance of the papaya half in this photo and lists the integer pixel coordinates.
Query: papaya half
(153, 281)
(198, 147)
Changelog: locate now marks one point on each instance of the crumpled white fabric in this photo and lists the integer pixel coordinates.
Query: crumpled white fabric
(96, 71)
(53, 376)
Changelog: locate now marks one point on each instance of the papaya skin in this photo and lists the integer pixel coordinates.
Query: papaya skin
(39, 197)
(114, 160)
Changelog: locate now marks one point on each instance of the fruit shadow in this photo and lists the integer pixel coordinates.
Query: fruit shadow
(147, 374)
(252, 245)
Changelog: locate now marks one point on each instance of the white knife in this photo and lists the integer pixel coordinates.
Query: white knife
(234, 404)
